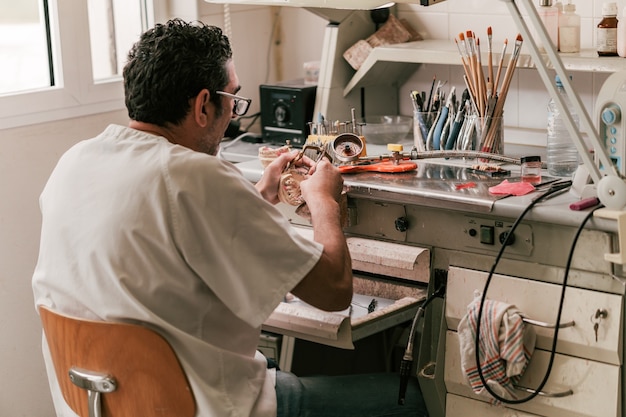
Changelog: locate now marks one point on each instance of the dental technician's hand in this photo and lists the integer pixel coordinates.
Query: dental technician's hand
(324, 182)
(328, 286)
(270, 180)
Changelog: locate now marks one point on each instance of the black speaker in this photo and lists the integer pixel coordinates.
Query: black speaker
(286, 110)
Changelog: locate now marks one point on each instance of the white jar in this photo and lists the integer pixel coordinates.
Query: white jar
(569, 30)
(549, 15)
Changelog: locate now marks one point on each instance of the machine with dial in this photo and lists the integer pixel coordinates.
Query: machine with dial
(611, 123)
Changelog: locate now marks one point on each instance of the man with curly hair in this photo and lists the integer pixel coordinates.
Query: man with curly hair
(144, 223)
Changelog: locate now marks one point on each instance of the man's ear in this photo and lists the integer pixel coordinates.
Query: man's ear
(200, 107)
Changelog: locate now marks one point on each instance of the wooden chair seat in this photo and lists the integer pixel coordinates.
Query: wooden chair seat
(148, 379)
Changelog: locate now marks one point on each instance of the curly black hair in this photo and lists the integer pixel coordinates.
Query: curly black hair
(170, 64)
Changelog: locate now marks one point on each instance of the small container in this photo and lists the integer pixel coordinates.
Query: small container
(569, 30)
(531, 169)
(606, 31)
(549, 15)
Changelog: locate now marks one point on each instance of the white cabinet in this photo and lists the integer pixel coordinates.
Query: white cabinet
(587, 367)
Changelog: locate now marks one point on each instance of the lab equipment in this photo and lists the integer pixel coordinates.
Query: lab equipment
(286, 108)
(610, 107)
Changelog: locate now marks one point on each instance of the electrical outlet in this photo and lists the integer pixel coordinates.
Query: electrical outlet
(430, 2)
(441, 279)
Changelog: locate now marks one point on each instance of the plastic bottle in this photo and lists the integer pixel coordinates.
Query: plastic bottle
(569, 29)
(563, 158)
(621, 35)
(549, 15)
(606, 31)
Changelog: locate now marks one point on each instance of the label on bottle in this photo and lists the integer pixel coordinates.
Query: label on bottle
(569, 38)
(607, 40)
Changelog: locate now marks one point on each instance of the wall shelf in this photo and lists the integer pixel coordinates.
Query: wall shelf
(396, 62)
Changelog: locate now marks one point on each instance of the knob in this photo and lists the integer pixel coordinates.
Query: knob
(611, 114)
(281, 114)
(402, 224)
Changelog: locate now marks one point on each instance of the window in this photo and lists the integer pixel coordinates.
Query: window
(114, 25)
(24, 48)
(63, 58)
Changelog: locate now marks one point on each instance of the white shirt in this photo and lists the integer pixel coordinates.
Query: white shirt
(136, 228)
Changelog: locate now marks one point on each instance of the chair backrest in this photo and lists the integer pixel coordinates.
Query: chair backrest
(147, 376)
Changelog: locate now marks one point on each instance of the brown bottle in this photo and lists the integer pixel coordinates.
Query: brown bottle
(606, 31)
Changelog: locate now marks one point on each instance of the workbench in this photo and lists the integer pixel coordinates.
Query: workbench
(464, 228)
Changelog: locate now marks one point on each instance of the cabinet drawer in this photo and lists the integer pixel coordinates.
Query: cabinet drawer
(595, 385)
(465, 407)
(540, 301)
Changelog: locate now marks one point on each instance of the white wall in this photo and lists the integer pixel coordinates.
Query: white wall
(28, 154)
(254, 44)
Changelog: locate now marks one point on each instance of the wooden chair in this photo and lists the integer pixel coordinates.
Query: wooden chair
(134, 367)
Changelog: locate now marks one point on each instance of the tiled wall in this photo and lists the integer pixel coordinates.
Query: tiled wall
(526, 102)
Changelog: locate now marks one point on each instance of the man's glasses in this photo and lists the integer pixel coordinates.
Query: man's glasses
(241, 103)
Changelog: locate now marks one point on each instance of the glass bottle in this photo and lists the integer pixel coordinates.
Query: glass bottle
(606, 31)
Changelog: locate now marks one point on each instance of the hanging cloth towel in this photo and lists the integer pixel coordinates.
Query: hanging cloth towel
(506, 345)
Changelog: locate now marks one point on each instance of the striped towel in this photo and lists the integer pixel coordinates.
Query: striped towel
(506, 345)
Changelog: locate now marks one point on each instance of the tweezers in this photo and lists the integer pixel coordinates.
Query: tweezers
(557, 188)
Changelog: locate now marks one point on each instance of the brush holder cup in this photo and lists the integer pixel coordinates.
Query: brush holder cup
(490, 131)
(422, 124)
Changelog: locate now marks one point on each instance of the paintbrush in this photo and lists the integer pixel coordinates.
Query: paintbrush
(462, 47)
(471, 50)
(482, 94)
(430, 96)
(491, 140)
(473, 59)
(462, 52)
(497, 80)
(506, 82)
(490, 53)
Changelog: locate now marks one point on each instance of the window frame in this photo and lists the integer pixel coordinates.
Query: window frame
(75, 93)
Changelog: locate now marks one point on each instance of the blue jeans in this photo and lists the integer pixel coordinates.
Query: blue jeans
(365, 395)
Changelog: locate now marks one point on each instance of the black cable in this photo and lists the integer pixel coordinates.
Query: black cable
(254, 118)
(407, 360)
(558, 319)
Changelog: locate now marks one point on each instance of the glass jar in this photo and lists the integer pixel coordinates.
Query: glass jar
(531, 169)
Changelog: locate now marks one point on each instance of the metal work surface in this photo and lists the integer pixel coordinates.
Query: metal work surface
(432, 184)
